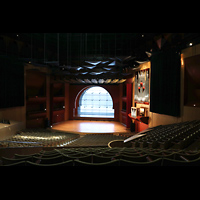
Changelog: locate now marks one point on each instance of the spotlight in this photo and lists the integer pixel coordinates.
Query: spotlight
(190, 44)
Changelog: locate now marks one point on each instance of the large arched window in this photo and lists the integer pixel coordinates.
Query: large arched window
(96, 102)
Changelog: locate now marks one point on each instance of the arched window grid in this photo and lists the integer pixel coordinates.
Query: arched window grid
(96, 102)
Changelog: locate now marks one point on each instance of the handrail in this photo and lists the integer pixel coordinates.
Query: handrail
(119, 143)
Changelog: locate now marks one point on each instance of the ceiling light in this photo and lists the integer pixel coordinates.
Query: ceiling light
(89, 67)
(112, 63)
(93, 62)
(108, 68)
(80, 80)
(190, 44)
(108, 80)
(101, 81)
(104, 62)
(122, 80)
(115, 80)
(79, 68)
(94, 81)
(96, 73)
(87, 81)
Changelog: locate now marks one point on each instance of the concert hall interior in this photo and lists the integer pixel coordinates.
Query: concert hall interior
(99, 99)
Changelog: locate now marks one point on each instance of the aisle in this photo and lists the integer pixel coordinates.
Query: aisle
(94, 140)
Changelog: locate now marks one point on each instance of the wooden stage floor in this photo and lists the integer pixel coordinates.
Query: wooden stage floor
(92, 127)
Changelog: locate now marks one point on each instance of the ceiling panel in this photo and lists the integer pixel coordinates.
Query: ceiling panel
(91, 57)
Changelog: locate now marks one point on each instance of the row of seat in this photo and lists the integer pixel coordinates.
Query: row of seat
(116, 162)
(180, 134)
(39, 137)
(105, 156)
(95, 140)
(51, 138)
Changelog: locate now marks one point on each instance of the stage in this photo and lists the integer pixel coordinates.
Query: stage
(92, 127)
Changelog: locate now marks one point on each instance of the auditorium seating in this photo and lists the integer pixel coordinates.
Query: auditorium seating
(95, 140)
(106, 157)
(167, 145)
(51, 138)
(178, 136)
(39, 137)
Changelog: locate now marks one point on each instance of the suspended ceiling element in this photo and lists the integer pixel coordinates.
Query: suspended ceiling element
(92, 58)
(111, 68)
(95, 81)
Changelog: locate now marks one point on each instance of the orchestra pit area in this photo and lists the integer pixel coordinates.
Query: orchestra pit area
(166, 145)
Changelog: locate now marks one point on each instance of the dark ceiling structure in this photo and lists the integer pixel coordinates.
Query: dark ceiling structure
(92, 58)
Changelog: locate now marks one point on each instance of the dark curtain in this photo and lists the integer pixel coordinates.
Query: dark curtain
(11, 82)
(165, 83)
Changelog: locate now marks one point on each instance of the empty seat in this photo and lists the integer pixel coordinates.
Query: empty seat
(18, 156)
(110, 163)
(171, 162)
(132, 153)
(134, 158)
(107, 154)
(66, 163)
(87, 158)
(53, 154)
(101, 159)
(156, 156)
(49, 160)
(21, 163)
(184, 156)
(7, 161)
(156, 162)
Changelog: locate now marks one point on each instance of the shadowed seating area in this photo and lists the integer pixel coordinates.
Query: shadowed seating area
(169, 145)
(105, 156)
(175, 136)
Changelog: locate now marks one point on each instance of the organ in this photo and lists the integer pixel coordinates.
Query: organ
(140, 110)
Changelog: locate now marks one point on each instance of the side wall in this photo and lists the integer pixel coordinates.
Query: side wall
(15, 113)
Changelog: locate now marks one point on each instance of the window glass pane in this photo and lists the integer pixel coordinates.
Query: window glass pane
(96, 102)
